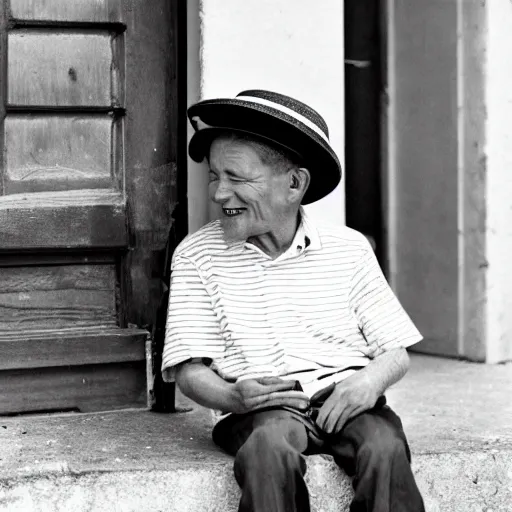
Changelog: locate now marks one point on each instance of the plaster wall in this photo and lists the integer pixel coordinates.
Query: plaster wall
(197, 179)
(499, 181)
(294, 48)
(422, 182)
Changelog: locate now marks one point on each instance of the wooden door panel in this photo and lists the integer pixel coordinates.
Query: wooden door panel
(66, 10)
(82, 388)
(68, 152)
(55, 296)
(61, 347)
(61, 69)
(71, 219)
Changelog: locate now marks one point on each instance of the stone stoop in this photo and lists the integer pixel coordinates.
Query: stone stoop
(476, 482)
(207, 487)
(457, 416)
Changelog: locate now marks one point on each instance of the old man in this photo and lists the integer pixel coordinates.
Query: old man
(287, 329)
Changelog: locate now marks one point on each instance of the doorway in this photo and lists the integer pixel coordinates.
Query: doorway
(363, 146)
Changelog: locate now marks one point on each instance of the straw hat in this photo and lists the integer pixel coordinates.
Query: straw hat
(278, 119)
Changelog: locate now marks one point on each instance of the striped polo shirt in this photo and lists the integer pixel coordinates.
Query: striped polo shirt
(324, 303)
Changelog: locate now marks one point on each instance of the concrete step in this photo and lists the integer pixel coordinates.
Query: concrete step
(458, 418)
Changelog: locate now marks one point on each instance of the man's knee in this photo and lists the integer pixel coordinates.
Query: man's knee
(265, 442)
(383, 447)
(269, 449)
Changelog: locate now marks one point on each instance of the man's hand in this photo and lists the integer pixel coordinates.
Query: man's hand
(359, 392)
(252, 394)
(349, 398)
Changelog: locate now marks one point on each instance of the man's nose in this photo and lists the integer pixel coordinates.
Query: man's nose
(221, 192)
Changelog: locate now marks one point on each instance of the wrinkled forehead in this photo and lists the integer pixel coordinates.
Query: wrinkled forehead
(231, 149)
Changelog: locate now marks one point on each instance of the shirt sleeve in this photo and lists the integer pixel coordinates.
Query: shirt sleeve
(192, 328)
(382, 319)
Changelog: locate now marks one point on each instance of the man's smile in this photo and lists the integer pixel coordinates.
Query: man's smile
(231, 212)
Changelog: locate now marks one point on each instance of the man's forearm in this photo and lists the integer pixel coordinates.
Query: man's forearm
(386, 369)
(204, 386)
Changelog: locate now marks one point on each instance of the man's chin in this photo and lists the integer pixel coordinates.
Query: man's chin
(231, 234)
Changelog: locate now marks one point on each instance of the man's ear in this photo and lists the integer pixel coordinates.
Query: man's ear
(299, 183)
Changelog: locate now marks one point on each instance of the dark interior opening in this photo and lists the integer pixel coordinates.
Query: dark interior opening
(363, 85)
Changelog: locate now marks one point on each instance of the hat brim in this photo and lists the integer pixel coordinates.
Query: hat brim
(275, 126)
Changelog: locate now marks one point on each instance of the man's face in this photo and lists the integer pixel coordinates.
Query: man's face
(252, 196)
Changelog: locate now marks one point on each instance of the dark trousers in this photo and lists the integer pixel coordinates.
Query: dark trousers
(270, 445)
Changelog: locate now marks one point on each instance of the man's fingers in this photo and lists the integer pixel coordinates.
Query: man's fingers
(295, 399)
(332, 414)
(270, 380)
(324, 414)
(342, 421)
(339, 423)
(336, 422)
(275, 384)
(287, 395)
(300, 404)
(324, 421)
(320, 419)
(280, 387)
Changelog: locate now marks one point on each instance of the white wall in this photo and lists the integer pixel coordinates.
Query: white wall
(291, 47)
(197, 179)
(499, 181)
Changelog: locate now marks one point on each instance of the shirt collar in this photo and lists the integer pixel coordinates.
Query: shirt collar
(308, 231)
